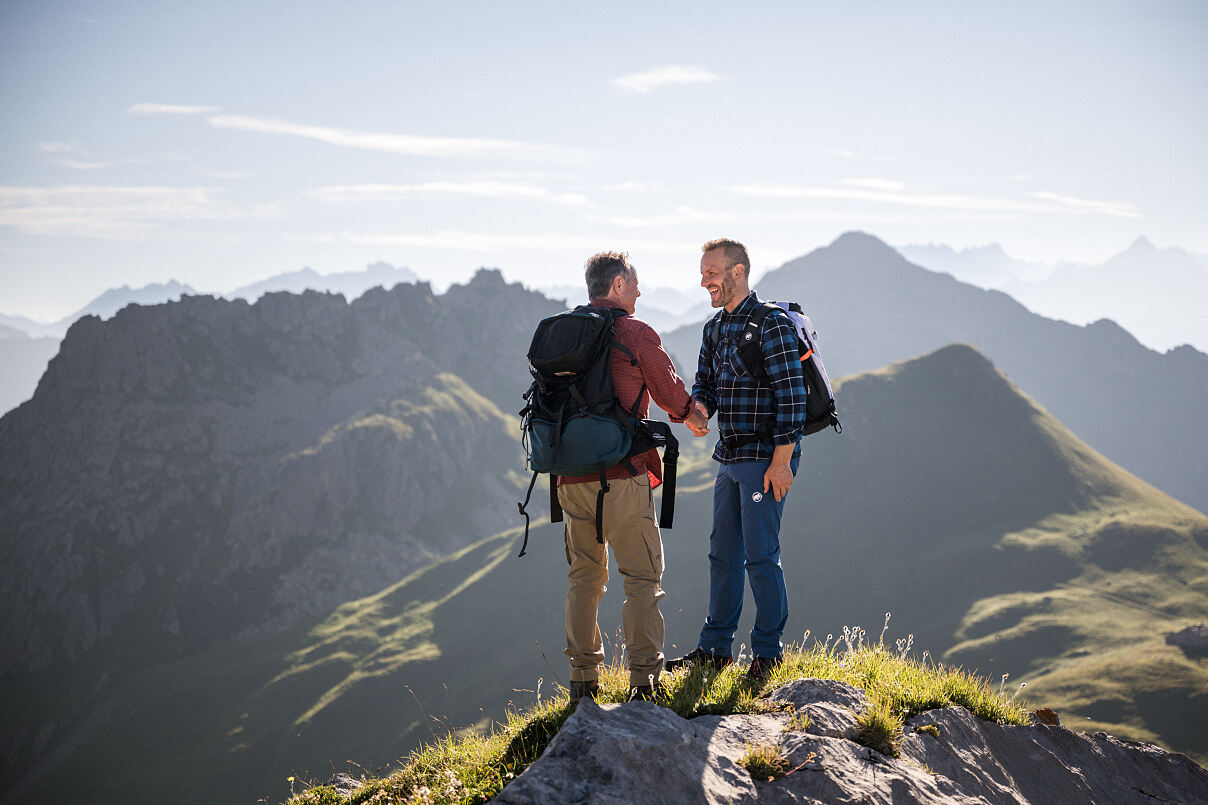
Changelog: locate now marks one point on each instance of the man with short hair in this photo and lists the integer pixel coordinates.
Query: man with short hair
(629, 522)
(760, 416)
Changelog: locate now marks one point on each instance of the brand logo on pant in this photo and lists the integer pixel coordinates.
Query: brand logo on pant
(758, 496)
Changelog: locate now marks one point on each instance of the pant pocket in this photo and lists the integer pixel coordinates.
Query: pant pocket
(653, 541)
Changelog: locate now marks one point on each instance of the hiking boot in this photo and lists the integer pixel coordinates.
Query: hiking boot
(644, 693)
(761, 668)
(581, 690)
(699, 655)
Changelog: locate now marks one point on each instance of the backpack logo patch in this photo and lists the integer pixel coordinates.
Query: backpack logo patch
(748, 336)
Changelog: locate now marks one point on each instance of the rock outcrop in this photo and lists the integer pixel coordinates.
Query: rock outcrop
(641, 753)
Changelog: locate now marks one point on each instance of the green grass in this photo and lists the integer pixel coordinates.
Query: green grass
(764, 762)
(471, 768)
(1092, 646)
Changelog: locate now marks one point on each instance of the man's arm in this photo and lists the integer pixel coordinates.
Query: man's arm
(664, 384)
(779, 477)
(783, 365)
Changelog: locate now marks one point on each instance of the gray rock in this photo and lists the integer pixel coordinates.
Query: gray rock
(833, 707)
(1050, 764)
(641, 753)
(632, 753)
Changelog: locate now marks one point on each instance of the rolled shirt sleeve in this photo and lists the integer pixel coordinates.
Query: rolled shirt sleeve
(658, 371)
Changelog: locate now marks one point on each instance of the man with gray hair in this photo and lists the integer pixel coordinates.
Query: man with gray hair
(629, 522)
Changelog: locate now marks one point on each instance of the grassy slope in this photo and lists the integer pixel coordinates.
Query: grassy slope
(1093, 647)
(951, 500)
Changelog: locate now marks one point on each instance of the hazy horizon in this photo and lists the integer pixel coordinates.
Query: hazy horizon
(223, 144)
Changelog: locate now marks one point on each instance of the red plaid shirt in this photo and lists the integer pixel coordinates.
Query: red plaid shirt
(657, 374)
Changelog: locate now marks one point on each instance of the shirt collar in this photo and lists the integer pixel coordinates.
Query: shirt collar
(607, 303)
(745, 306)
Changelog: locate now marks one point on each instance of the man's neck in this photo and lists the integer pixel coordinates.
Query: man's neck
(738, 299)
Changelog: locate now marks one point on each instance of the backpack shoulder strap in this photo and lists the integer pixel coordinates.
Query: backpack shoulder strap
(761, 312)
(750, 345)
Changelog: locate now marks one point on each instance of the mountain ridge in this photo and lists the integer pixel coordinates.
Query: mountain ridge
(1155, 293)
(854, 291)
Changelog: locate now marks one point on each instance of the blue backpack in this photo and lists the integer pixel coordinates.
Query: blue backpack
(573, 424)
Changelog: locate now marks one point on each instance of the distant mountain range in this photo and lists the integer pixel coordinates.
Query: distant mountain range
(661, 308)
(350, 283)
(22, 362)
(1158, 295)
(984, 266)
(995, 537)
(1141, 409)
(104, 306)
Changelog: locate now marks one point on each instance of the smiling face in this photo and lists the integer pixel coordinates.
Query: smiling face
(726, 284)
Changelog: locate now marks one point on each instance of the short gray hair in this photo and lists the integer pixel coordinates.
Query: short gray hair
(601, 269)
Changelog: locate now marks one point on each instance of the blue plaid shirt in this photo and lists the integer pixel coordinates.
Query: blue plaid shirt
(742, 403)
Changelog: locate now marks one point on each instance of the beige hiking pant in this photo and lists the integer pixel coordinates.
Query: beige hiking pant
(630, 528)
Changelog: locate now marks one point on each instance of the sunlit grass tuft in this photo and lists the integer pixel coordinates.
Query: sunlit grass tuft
(764, 762)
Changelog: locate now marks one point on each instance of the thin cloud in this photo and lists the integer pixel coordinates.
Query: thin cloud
(634, 187)
(1118, 209)
(113, 213)
(1038, 202)
(80, 165)
(874, 183)
(170, 109)
(408, 144)
(212, 173)
(458, 240)
(60, 148)
(509, 191)
(680, 216)
(689, 216)
(669, 75)
(71, 149)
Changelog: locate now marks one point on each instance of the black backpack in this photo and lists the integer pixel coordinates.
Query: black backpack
(820, 410)
(573, 423)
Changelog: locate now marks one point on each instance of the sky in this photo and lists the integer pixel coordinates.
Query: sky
(220, 143)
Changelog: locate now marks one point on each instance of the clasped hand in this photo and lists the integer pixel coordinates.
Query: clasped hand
(698, 420)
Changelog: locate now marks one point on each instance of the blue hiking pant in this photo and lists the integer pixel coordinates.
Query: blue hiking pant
(745, 542)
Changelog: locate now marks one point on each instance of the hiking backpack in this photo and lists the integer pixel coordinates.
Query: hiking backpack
(820, 411)
(573, 424)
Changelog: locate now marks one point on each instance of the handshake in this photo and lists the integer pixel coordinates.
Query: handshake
(698, 420)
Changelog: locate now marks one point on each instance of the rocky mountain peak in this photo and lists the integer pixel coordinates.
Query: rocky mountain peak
(862, 246)
(218, 451)
(1142, 246)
